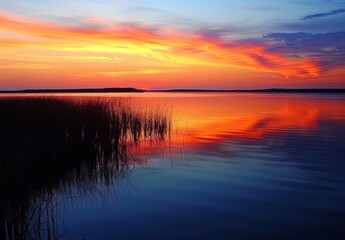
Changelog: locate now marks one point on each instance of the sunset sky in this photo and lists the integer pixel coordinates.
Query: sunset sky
(157, 44)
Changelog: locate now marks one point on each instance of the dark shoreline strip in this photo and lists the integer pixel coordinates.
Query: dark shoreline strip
(134, 90)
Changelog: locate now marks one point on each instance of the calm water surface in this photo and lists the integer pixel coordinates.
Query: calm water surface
(236, 166)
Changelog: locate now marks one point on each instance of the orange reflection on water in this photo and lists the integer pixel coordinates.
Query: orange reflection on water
(252, 116)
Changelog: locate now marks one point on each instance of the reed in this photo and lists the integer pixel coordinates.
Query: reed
(52, 146)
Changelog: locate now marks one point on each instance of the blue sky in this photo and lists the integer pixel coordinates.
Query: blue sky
(235, 19)
(247, 15)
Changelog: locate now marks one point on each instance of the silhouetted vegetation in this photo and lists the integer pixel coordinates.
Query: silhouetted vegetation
(52, 146)
(266, 90)
(76, 90)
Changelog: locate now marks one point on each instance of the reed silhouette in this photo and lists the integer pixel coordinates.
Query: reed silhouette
(56, 146)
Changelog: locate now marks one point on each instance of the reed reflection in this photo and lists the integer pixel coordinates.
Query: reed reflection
(55, 146)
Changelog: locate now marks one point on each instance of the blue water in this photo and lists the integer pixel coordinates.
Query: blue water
(269, 167)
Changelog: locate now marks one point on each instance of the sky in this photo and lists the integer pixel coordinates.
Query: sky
(157, 44)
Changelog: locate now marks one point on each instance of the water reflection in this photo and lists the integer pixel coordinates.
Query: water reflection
(253, 116)
(255, 166)
(53, 147)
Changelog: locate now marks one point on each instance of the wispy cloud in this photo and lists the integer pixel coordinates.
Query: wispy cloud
(25, 66)
(147, 9)
(140, 46)
(328, 48)
(258, 8)
(319, 15)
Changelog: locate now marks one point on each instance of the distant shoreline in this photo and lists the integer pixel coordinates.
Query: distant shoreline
(79, 90)
(134, 90)
(268, 90)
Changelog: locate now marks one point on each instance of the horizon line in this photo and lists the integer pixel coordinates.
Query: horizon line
(141, 90)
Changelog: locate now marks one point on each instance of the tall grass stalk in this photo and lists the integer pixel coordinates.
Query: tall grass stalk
(52, 146)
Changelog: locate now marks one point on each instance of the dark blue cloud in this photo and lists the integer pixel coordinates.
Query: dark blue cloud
(263, 61)
(328, 48)
(307, 42)
(318, 15)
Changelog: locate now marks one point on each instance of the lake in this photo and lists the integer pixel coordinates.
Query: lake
(213, 166)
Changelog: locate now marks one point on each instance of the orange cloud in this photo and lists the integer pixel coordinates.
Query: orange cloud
(135, 50)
